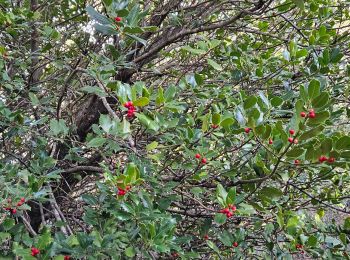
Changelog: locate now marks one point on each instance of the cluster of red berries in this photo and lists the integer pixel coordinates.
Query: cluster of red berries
(174, 254)
(299, 247)
(229, 211)
(35, 251)
(311, 114)
(118, 19)
(325, 159)
(122, 192)
(131, 109)
(198, 156)
(247, 130)
(14, 210)
(291, 139)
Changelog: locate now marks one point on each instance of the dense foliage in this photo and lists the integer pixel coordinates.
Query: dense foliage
(174, 129)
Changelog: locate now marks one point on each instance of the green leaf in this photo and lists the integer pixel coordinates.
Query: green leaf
(221, 192)
(312, 154)
(326, 145)
(301, 53)
(216, 119)
(226, 238)
(227, 122)
(89, 199)
(152, 146)
(147, 122)
(271, 192)
(136, 38)
(312, 241)
(213, 246)
(347, 223)
(220, 218)
(106, 29)
(94, 90)
(311, 133)
(336, 55)
(314, 88)
(125, 127)
(343, 143)
(130, 251)
(8, 224)
(160, 97)
(96, 142)
(136, 29)
(170, 93)
(345, 154)
(44, 240)
(295, 152)
(267, 132)
(215, 65)
(105, 122)
(250, 102)
(33, 99)
(97, 16)
(321, 100)
(299, 3)
(141, 102)
(276, 101)
(194, 51)
(231, 196)
(58, 127)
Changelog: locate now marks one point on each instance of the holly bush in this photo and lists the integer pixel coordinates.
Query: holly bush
(174, 129)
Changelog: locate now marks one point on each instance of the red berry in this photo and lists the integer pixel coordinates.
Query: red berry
(229, 214)
(295, 141)
(214, 126)
(226, 210)
(128, 104)
(23, 200)
(312, 115)
(174, 254)
(20, 203)
(270, 141)
(128, 187)
(7, 208)
(204, 161)
(118, 19)
(311, 110)
(322, 159)
(66, 257)
(290, 139)
(121, 192)
(233, 208)
(206, 237)
(35, 251)
(198, 155)
(247, 130)
(296, 162)
(291, 131)
(14, 211)
(331, 160)
(303, 114)
(235, 244)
